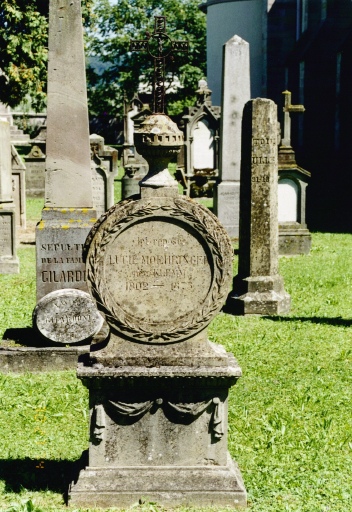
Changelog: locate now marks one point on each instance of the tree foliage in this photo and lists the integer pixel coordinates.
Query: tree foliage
(111, 24)
(115, 23)
(23, 52)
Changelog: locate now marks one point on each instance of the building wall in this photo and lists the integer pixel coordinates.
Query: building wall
(224, 20)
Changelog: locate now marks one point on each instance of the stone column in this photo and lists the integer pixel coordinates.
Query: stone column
(8, 259)
(236, 92)
(258, 288)
(68, 214)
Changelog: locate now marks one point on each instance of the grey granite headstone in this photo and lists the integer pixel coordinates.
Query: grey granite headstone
(159, 268)
(258, 288)
(68, 212)
(67, 317)
(8, 258)
(235, 93)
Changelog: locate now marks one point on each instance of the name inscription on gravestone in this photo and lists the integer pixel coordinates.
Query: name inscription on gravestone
(159, 267)
(158, 272)
(67, 316)
(65, 257)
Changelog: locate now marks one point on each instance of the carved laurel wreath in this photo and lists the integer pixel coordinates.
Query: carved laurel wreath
(204, 223)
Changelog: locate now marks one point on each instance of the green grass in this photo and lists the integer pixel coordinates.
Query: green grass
(290, 415)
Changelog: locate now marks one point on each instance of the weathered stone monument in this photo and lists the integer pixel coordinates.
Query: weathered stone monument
(159, 268)
(201, 128)
(294, 236)
(67, 317)
(258, 288)
(8, 258)
(18, 170)
(68, 212)
(134, 164)
(104, 170)
(35, 165)
(236, 92)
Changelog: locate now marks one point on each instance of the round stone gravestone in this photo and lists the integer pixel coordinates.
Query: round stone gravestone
(159, 269)
(67, 316)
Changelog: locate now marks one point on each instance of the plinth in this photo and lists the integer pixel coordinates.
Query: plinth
(159, 270)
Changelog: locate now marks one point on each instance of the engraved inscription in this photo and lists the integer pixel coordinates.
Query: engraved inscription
(5, 235)
(67, 316)
(156, 277)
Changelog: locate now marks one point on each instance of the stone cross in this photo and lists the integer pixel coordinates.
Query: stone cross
(286, 141)
(159, 46)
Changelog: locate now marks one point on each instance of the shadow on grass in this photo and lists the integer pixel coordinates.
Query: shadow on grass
(25, 336)
(29, 337)
(40, 475)
(336, 321)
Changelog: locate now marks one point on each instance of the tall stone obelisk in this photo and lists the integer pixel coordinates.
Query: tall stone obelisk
(235, 94)
(68, 212)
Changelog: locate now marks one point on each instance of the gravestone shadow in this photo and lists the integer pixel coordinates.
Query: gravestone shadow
(335, 321)
(41, 474)
(26, 336)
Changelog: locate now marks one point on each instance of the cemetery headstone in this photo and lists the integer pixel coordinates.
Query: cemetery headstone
(134, 164)
(104, 170)
(67, 317)
(201, 127)
(18, 170)
(258, 288)
(236, 92)
(68, 212)
(8, 257)
(159, 267)
(35, 165)
(294, 236)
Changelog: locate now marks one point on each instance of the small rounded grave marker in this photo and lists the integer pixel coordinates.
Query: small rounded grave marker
(67, 316)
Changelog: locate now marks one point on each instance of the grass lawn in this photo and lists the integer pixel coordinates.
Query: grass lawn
(290, 419)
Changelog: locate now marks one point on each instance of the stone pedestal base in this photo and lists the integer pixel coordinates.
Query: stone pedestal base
(294, 240)
(227, 206)
(160, 434)
(258, 296)
(218, 486)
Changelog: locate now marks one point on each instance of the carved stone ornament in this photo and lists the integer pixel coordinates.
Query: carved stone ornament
(158, 270)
